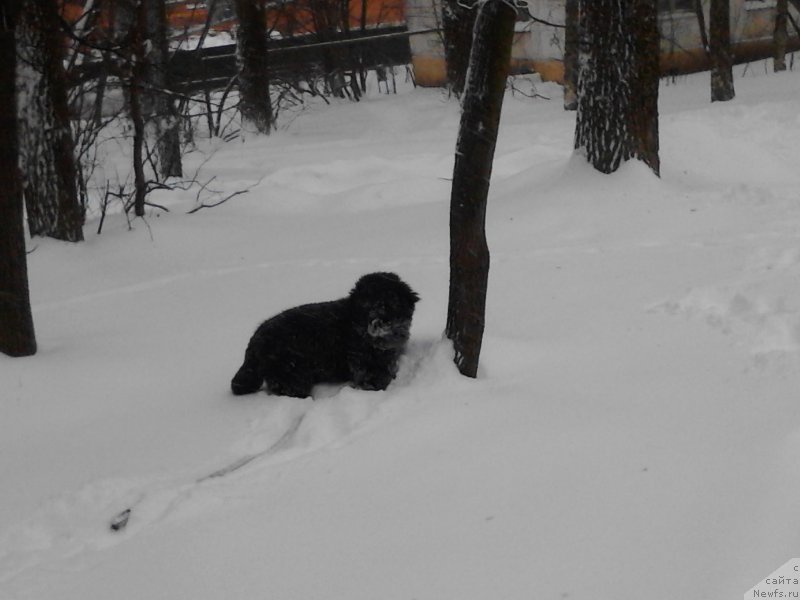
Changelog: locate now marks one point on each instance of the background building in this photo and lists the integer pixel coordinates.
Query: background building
(538, 46)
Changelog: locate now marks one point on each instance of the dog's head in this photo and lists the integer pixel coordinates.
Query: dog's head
(383, 305)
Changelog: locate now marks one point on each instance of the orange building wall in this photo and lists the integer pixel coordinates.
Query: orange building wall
(292, 18)
(298, 17)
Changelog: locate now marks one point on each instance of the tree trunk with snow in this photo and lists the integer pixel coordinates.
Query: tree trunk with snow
(719, 24)
(255, 104)
(458, 21)
(780, 36)
(16, 322)
(162, 111)
(480, 118)
(618, 83)
(571, 55)
(49, 167)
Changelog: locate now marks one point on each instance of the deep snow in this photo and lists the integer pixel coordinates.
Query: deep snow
(634, 432)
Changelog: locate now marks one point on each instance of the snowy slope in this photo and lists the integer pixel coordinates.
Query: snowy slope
(635, 431)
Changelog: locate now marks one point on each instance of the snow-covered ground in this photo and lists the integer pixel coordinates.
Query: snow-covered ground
(634, 432)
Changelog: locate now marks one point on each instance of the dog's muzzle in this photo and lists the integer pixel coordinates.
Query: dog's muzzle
(379, 328)
(389, 334)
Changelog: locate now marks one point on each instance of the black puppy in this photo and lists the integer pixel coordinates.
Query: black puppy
(357, 339)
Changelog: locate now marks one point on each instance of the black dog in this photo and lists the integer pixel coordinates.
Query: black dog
(357, 339)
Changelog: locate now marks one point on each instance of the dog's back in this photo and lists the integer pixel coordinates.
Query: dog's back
(304, 343)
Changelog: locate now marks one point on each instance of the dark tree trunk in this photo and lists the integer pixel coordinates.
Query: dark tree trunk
(138, 80)
(363, 27)
(571, 55)
(780, 35)
(129, 24)
(16, 322)
(255, 104)
(163, 111)
(701, 24)
(458, 20)
(469, 254)
(50, 171)
(139, 177)
(618, 83)
(720, 46)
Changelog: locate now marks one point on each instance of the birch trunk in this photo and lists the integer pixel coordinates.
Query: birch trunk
(47, 157)
(618, 83)
(163, 113)
(255, 104)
